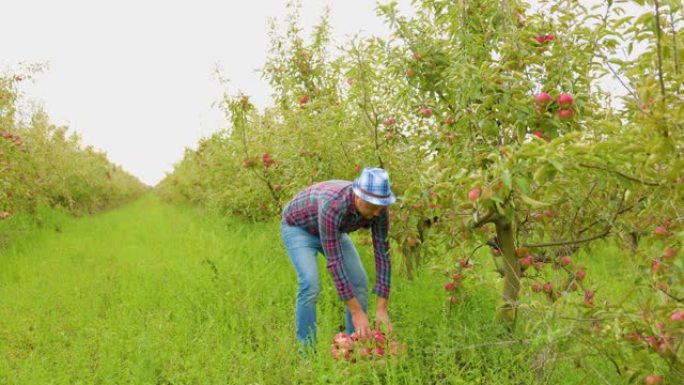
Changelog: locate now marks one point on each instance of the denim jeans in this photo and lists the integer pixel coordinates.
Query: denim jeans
(302, 248)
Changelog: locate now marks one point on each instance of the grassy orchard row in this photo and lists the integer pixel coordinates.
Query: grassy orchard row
(492, 137)
(41, 166)
(122, 317)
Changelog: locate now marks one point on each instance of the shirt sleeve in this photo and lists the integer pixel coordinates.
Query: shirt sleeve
(329, 219)
(380, 230)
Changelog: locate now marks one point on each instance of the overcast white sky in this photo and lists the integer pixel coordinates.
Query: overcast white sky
(135, 78)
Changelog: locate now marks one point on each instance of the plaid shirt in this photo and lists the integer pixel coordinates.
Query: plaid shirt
(327, 210)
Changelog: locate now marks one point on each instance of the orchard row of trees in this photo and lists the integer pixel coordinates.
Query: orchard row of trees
(496, 131)
(41, 165)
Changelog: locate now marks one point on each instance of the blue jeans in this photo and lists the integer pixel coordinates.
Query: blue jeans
(302, 248)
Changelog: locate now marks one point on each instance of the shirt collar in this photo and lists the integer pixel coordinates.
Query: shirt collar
(351, 207)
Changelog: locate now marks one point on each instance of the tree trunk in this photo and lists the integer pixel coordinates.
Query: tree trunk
(407, 253)
(511, 289)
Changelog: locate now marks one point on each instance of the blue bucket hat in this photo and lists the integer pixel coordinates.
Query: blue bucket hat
(373, 186)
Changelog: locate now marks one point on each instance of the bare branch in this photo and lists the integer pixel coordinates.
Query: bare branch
(680, 300)
(571, 242)
(633, 179)
(674, 43)
(659, 49)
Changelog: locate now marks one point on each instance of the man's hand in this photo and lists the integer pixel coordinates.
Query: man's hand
(382, 316)
(359, 319)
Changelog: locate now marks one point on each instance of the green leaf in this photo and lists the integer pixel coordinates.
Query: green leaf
(540, 175)
(533, 202)
(507, 179)
(556, 164)
(646, 19)
(522, 184)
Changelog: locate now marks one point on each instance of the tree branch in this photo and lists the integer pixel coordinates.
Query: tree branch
(571, 242)
(488, 218)
(620, 211)
(633, 179)
(674, 43)
(680, 300)
(659, 49)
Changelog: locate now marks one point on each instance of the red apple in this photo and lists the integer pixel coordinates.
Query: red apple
(662, 231)
(565, 100)
(449, 286)
(521, 252)
(669, 252)
(346, 343)
(527, 261)
(536, 288)
(541, 39)
(677, 316)
(565, 114)
(653, 379)
(339, 337)
(538, 134)
(304, 99)
(266, 158)
(655, 265)
(474, 194)
(580, 274)
(565, 260)
(548, 287)
(542, 99)
(426, 112)
(389, 121)
(379, 337)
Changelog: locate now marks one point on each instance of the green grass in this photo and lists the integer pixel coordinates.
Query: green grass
(156, 294)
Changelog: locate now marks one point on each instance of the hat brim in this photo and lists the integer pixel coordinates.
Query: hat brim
(374, 200)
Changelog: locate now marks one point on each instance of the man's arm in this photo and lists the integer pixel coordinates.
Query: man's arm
(383, 269)
(328, 223)
(380, 230)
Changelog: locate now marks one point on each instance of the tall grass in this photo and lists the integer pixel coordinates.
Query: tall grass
(157, 294)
